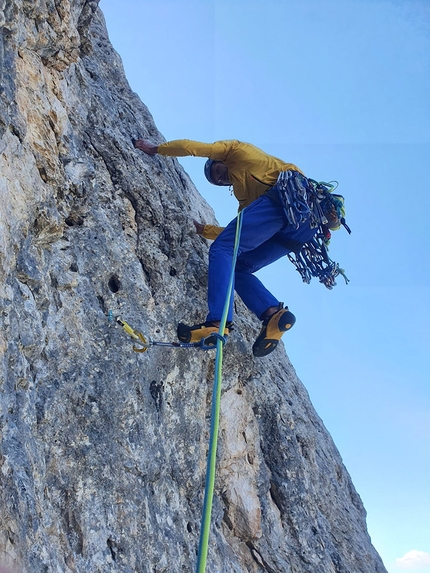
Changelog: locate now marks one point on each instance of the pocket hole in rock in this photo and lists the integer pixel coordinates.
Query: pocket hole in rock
(114, 283)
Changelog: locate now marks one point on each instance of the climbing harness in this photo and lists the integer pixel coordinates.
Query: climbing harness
(302, 199)
(208, 343)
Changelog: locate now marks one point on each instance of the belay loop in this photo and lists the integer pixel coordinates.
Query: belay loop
(305, 199)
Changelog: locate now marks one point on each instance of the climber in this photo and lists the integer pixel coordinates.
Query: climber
(266, 235)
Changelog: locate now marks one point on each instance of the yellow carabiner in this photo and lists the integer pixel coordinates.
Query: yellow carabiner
(142, 341)
(135, 334)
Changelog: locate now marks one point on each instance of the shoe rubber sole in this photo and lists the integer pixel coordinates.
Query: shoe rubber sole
(272, 332)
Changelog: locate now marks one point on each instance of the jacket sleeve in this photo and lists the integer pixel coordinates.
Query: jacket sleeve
(183, 147)
(211, 232)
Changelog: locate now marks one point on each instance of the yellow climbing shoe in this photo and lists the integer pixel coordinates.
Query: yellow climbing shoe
(272, 330)
(198, 331)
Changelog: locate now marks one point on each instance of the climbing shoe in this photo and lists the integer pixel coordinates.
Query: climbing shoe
(272, 330)
(204, 330)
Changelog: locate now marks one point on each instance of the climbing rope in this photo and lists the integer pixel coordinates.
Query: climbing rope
(215, 415)
(213, 341)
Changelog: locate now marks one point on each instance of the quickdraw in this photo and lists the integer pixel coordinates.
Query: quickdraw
(302, 199)
(293, 187)
(208, 343)
(313, 261)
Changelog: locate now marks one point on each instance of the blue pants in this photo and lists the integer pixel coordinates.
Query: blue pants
(262, 241)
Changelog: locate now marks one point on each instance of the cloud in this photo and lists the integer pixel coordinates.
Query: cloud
(413, 560)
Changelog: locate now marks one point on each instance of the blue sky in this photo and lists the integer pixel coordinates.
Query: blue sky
(341, 89)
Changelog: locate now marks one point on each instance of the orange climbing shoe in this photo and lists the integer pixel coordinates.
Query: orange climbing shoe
(272, 330)
(198, 331)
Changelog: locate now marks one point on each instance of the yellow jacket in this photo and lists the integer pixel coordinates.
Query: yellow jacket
(251, 171)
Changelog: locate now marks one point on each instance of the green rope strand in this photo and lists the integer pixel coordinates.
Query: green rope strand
(215, 415)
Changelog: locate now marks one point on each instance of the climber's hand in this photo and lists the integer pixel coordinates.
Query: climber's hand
(199, 227)
(145, 146)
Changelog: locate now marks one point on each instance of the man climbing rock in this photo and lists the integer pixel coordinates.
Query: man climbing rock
(266, 234)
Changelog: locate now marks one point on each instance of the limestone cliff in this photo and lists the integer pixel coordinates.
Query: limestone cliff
(103, 451)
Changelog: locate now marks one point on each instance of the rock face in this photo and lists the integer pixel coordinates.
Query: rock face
(103, 450)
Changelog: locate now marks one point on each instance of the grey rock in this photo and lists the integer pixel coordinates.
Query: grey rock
(103, 450)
